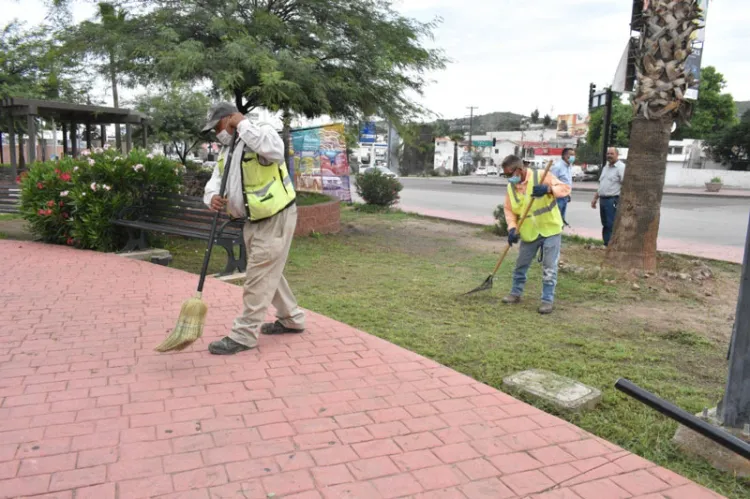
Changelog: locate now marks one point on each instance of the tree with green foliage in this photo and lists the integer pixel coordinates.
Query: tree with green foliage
(713, 112)
(33, 66)
(343, 58)
(622, 116)
(547, 120)
(732, 145)
(535, 116)
(177, 116)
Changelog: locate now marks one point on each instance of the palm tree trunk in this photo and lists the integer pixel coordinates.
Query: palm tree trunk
(115, 100)
(633, 244)
(286, 133)
(455, 158)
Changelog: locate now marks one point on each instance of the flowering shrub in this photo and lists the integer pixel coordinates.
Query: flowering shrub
(73, 201)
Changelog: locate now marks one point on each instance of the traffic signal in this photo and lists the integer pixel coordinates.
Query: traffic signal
(592, 91)
(494, 142)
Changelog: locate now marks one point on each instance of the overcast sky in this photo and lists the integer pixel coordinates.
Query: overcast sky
(517, 56)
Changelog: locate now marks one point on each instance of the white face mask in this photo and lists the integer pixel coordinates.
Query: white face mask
(224, 137)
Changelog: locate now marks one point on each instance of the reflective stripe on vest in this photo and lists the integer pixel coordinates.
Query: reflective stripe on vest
(545, 221)
(268, 189)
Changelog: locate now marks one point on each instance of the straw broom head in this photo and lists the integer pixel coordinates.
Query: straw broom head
(189, 326)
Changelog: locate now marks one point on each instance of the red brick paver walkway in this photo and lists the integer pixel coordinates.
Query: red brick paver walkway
(89, 410)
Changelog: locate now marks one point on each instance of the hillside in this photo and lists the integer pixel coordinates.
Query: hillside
(742, 107)
(483, 123)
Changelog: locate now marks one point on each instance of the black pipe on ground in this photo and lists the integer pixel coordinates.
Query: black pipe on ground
(709, 431)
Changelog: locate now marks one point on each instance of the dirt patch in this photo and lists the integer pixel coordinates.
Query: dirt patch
(15, 229)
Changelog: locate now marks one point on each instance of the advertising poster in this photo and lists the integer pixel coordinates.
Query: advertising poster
(319, 161)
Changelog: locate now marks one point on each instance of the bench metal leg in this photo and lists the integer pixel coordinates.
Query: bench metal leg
(136, 242)
(233, 264)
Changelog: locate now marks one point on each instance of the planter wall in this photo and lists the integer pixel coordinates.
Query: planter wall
(324, 218)
(713, 187)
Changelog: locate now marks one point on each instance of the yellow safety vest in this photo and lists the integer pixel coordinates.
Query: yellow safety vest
(268, 189)
(544, 219)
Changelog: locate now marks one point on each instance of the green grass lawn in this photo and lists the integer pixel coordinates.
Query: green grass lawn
(401, 278)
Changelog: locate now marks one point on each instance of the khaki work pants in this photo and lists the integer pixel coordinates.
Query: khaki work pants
(267, 244)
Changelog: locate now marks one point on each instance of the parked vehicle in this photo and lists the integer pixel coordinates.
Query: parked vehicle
(382, 169)
(481, 171)
(492, 171)
(577, 173)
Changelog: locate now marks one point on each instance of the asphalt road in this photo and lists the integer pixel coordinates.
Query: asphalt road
(713, 221)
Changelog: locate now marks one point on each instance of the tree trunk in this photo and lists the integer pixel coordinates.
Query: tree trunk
(286, 134)
(633, 243)
(21, 155)
(115, 100)
(455, 158)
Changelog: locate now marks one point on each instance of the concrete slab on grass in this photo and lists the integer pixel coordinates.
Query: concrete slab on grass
(720, 457)
(564, 393)
(147, 255)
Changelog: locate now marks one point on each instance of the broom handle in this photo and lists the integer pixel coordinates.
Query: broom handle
(212, 235)
(523, 219)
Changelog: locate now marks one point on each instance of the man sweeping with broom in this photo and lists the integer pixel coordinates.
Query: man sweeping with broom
(258, 189)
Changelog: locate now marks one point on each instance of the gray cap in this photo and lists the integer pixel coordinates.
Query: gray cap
(217, 113)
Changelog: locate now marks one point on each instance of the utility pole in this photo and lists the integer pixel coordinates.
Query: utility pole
(471, 126)
(734, 409)
(607, 125)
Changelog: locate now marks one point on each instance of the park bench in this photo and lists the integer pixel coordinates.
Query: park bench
(185, 216)
(10, 197)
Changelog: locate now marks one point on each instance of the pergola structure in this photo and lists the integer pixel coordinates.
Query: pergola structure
(70, 116)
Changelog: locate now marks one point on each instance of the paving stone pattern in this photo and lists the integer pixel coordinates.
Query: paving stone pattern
(89, 410)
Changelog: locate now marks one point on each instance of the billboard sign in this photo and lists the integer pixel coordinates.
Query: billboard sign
(693, 62)
(367, 134)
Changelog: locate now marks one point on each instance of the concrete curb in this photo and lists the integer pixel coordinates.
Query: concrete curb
(667, 192)
(479, 225)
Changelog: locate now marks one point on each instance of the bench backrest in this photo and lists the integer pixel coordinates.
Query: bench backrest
(10, 197)
(185, 211)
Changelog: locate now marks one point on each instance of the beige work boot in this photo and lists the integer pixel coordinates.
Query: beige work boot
(512, 299)
(545, 308)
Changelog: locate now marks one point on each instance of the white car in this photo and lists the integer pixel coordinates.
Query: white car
(481, 171)
(382, 169)
(577, 173)
(492, 170)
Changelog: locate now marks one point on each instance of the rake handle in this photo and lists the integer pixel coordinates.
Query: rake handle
(214, 222)
(523, 219)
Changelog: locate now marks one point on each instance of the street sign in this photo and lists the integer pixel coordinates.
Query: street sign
(481, 143)
(368, 133)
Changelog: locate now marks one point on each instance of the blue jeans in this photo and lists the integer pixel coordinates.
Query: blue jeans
(562, 204)
(607, 212)
(551, 255)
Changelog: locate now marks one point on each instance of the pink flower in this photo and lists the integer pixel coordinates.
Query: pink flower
(106, 187)
(98, 150)
(138, 167)
(65, 215)
(70, 241)
(64, 193)
(65, 177)
(93, 186)
(47, 212)
(92, 162)
(40, 212)
(85, 152)
(106, 147)
(62, 204)
(57, 170)
(18, 179)
(39, 185)
(50, 203)
(150, 156)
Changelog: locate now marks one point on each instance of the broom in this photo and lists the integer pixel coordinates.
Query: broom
(193, 313)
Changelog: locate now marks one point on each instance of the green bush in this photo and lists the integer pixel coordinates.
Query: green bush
(501, 225)
(73, 201)
(378, 189)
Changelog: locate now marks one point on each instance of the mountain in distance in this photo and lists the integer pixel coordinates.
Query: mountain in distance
(742, 107)
(481, 124)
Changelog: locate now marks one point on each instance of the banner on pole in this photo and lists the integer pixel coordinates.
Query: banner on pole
(693, 62)
(320, 163)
